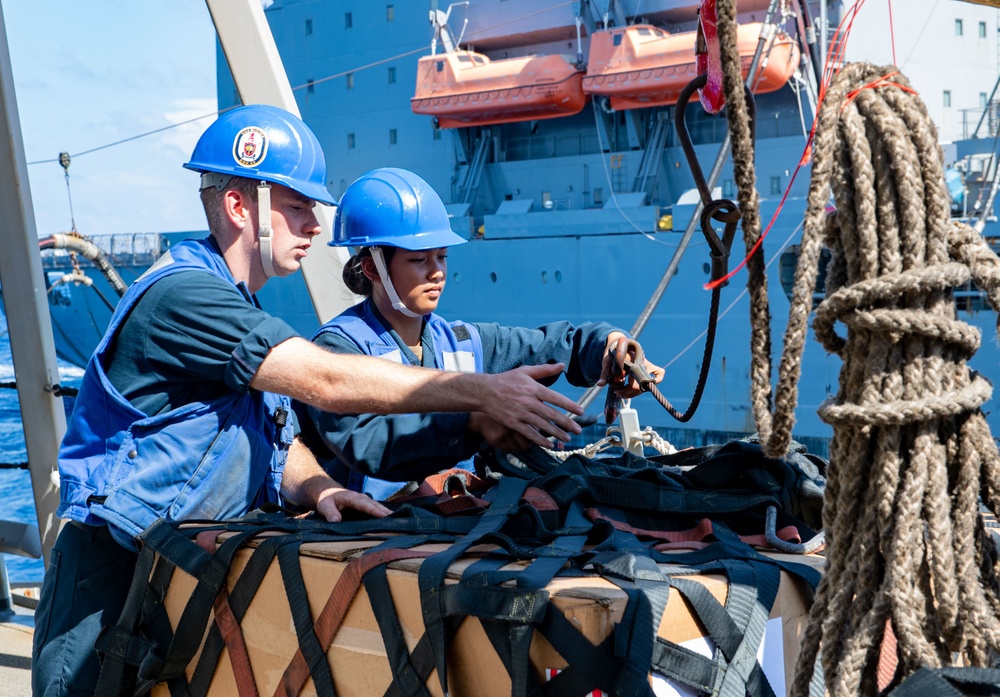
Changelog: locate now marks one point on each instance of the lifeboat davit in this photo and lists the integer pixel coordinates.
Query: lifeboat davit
(641, 65)
(463, 88)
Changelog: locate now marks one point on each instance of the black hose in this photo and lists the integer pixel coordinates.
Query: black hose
(90, 251)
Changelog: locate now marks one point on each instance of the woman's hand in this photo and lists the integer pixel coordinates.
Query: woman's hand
(616, 345)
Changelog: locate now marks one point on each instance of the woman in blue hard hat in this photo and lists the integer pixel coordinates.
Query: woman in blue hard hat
(400, 229)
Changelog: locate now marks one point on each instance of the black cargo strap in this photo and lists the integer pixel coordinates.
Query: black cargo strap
(298, 601)
(949, 682)
(648, 489)
(210, 571)
(432, 573)
(133, 661)
(121, 644)
(753, 585)
(505, 587)
(511, 608)
(239, 600)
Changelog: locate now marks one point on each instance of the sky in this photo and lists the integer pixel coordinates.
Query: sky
(87, 74)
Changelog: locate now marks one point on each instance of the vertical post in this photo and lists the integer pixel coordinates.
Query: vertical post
(31, 343)
(823, 36)
(6, 600)
(260, 78)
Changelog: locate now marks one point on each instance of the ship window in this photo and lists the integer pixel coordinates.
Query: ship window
(642, 31)
(350, 141)
(947, 97)
(982, 30)
(464, 58)
(440, 66)
(598, 196)
(982, 100)
(618, 40)
(787, 264)
(958, 27)
(775, 186)
(348, 20)
(309, 27)
(437, 131)
(350, 80)
(392, 75)
(390, 13)
(310, 86)
(392, 136)
(728, 190)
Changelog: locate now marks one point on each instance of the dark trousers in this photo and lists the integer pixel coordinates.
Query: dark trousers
(84, 589)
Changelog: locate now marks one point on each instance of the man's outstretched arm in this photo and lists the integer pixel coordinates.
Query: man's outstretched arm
(363, 384)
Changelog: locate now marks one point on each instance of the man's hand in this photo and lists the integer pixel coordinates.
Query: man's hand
(496, 434)
(516, 400)
(305, 483)
(335, 499)
(632, 388)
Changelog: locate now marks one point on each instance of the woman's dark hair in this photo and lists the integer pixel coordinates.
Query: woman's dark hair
(354, 274)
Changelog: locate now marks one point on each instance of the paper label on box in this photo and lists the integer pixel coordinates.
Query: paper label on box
(552, 672)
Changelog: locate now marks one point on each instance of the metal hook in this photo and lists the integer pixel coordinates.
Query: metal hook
(721, 210)
(771, 535)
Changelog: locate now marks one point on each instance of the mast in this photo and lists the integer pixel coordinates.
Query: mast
(31, 343)
(260, 78)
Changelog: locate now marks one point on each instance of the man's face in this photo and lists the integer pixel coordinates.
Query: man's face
(294, 224)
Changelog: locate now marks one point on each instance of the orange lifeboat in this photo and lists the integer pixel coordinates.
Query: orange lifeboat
(641, 65)
(463, 88)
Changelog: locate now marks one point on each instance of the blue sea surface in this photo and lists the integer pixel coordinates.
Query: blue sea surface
(16, 499)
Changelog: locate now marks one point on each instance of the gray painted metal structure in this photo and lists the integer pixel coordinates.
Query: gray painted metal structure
(260, 79)
(27, 309)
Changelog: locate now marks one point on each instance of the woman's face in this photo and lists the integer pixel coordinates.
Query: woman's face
(419, 278)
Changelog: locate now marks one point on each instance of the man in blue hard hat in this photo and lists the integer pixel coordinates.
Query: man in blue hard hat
(400, 230)
(184, 409)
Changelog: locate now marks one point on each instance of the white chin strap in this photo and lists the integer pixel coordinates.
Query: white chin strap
(383, 273)
(264, 232)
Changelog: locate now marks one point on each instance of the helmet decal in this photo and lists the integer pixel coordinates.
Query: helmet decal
(264, 143)
(250, 146)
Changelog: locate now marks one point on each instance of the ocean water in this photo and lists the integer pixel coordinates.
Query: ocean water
(16, 500)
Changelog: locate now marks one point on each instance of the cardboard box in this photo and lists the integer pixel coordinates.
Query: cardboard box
(357, 655)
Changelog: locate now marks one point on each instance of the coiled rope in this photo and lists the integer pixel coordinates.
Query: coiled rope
(912, 457)
(911, 453)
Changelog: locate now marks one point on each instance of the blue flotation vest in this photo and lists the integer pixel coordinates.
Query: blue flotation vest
(204, 460)
(457, 348)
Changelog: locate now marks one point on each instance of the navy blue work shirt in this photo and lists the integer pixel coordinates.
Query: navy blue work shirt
(190, 337)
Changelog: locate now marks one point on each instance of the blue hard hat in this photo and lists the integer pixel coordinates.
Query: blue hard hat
(265, 143)
(392, 207)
